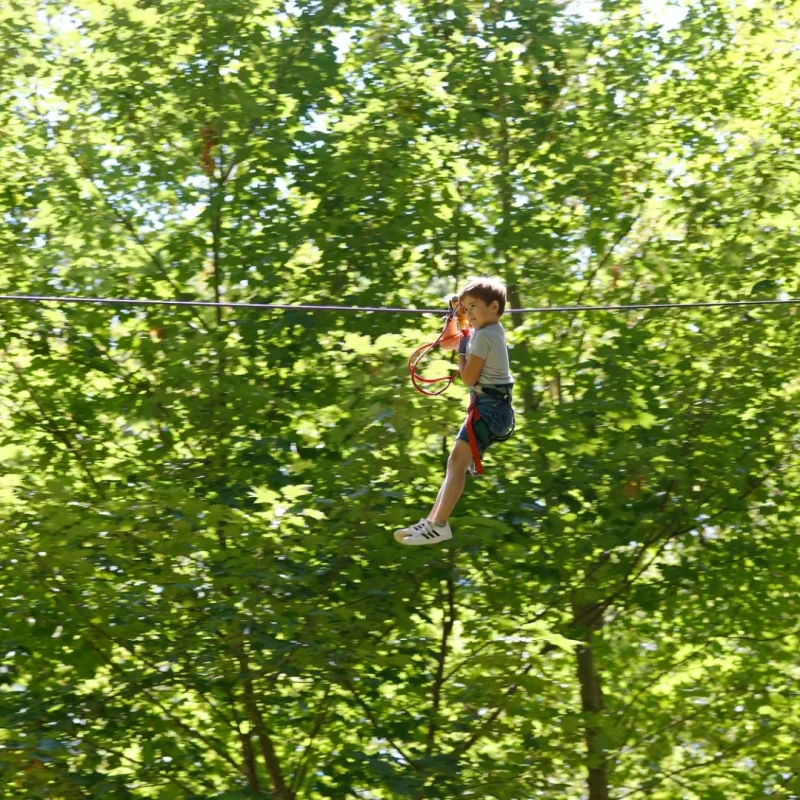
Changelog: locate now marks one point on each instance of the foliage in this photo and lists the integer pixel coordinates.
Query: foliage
(201, 594)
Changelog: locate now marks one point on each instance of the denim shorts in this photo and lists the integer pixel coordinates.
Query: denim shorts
(497, 414)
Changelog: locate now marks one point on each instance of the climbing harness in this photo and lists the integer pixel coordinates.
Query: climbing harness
(455, 328)
(478, 428)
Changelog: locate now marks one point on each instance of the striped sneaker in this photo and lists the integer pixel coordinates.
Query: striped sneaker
(424, 532)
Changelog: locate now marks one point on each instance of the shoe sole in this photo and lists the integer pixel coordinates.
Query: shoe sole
(425, 541)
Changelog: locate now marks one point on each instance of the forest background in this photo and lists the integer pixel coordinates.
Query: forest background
(200, 594)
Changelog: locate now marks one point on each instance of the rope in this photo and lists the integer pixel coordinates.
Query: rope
(419, 354)
(366, 309)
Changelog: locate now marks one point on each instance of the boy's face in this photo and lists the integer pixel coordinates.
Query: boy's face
(478, 313)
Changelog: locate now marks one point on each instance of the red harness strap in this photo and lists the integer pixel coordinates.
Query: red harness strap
(473, 416)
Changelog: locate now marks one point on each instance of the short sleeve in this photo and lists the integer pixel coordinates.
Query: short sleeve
(480, 344)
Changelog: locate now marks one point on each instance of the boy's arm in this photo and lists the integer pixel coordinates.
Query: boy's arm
(470, 368)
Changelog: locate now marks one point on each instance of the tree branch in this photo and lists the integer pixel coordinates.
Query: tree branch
(248, 753)
(216, 747)
(368, 711)
(302, 767)
(282, 791)
(238, 156)
(57, 432)
(720, 757)
(448, 620)
(467, 745)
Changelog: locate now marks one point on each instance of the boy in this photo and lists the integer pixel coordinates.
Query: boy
(483, 366)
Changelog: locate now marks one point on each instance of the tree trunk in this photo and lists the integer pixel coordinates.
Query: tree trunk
(592, 707)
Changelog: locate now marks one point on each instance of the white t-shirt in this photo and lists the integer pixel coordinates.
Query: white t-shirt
(489, 343)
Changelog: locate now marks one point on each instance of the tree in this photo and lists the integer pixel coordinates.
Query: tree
(201, 593)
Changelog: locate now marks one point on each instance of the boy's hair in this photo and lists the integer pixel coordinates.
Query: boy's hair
(486, 289)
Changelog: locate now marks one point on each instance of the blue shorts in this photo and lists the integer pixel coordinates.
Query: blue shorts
(497, 414)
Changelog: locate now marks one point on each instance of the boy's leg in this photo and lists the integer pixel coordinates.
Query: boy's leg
(434, 528)
(453, 485)
(435, 509)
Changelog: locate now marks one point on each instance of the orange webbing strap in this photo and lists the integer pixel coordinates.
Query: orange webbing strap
(473, 416)
(420, 353)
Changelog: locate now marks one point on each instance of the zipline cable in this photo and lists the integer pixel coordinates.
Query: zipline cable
(366, 309)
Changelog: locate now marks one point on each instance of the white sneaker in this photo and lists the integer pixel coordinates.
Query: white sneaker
(424, 532)
(411, 529)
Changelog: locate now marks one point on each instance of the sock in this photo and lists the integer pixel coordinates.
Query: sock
(437, 525)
